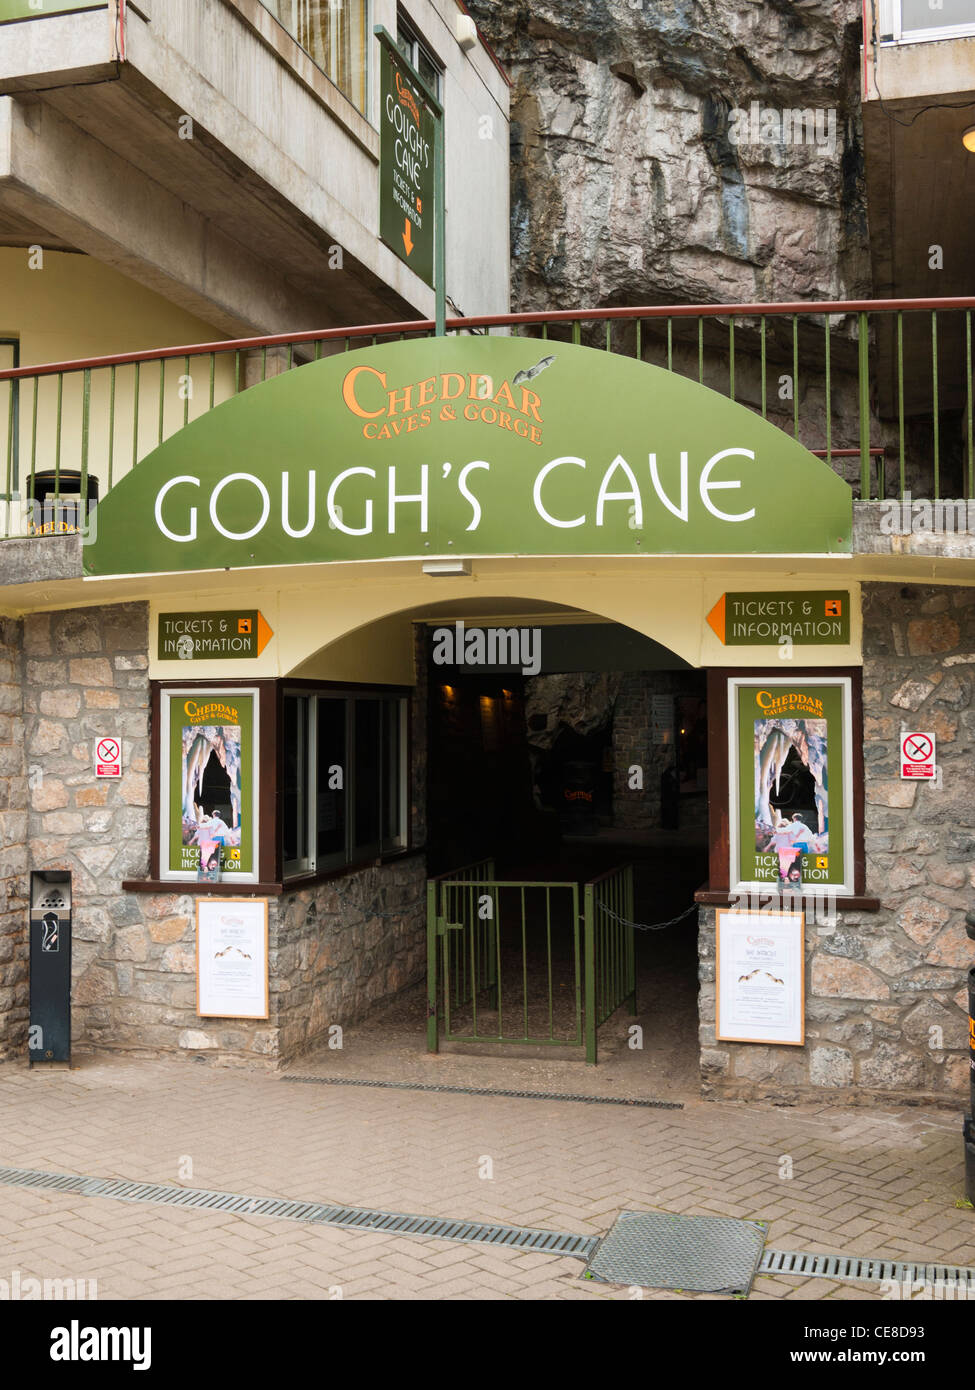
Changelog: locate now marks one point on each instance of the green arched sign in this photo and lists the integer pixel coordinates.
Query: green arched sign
(469, 446)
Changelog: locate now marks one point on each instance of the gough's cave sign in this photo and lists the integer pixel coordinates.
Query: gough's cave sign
(469, 446)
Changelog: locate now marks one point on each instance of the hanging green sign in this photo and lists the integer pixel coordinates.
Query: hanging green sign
(469, 446)
(407, 169)
(790, 779)
(211, 782)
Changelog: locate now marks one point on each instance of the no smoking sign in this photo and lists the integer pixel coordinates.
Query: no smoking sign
(918, 756)
(108, 757)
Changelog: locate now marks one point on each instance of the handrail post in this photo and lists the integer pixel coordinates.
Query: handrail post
(630, 941)
(433, 1042)
(85, 441)
(589, 970)
(864, 384)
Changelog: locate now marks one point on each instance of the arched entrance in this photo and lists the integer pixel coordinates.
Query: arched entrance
(551, 748)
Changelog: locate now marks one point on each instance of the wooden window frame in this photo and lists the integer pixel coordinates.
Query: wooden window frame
(719, 890)
(269, 700)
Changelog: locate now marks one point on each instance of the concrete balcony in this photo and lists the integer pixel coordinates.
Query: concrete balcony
(195, 146)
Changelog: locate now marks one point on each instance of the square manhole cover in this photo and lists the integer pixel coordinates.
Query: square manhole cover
(659, 1250)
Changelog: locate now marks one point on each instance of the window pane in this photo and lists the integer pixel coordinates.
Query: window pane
(429, 73)
(332, 778)
(294, 812)
(414, 50)
(366, 772)
(918, 14)
(334, 33)
(392, 774)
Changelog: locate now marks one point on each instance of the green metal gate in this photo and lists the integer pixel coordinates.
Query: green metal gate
(516, 961)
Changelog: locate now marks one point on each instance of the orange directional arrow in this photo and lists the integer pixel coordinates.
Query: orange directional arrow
(264, 633)
(408, 236)
(716, 618)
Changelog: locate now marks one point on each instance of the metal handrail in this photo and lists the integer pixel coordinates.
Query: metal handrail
(461, 324)
(103, 415)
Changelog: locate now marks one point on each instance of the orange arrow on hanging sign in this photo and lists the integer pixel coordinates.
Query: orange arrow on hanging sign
(408, 237)
(264, 633)
(716, 619)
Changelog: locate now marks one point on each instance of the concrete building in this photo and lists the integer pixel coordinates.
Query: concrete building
(520, 600)
(245, 138)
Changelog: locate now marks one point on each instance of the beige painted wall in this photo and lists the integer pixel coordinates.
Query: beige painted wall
(353, 622)
(75, 307)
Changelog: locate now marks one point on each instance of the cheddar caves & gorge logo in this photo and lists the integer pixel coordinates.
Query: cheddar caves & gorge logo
(782, 706)
(389, 411)
(210, 714)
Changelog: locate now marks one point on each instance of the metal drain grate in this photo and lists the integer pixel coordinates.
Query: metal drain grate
(324, 1213)
(477, 1091)
(860, 1267)
(660, 1250)
(649, 1249)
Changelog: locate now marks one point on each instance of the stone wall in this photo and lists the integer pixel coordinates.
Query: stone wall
(886, 992)
(633, 745)
(334, 949)
(343, 946)
(86, 675)
(13, 845)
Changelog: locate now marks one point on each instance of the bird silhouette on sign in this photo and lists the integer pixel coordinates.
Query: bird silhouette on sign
(530, 373)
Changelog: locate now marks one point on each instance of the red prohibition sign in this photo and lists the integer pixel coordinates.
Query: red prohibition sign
(917, 748)
(108, 750)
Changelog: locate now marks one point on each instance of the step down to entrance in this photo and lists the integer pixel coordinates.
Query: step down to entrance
(488, 1091)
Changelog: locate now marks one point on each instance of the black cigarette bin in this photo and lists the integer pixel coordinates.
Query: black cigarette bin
(59, 508)
(49, 1039)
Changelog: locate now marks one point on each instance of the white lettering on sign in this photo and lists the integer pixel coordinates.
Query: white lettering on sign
(619, 485)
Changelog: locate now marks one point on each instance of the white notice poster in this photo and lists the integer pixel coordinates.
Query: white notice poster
(760, 977)
(231, 958)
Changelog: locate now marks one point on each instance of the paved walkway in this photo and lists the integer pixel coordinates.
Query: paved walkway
(835, 1180)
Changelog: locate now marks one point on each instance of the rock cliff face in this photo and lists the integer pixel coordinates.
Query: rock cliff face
(655, 154)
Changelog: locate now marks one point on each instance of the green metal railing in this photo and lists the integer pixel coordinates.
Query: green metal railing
(611, 973)
(515, 961)
(882, 389)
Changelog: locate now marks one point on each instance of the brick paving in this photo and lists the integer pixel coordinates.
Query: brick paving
(870, 1182)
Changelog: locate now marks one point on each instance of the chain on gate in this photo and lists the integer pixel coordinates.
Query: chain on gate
(647, 926)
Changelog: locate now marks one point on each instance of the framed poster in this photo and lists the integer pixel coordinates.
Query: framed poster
(790, 780)
(208, 783)
(231, 958)
(760, 993)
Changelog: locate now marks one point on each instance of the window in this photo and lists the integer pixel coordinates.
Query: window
(913, 20)
(344, 787)
(416, 52)
(9, 418)
(335, 35)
